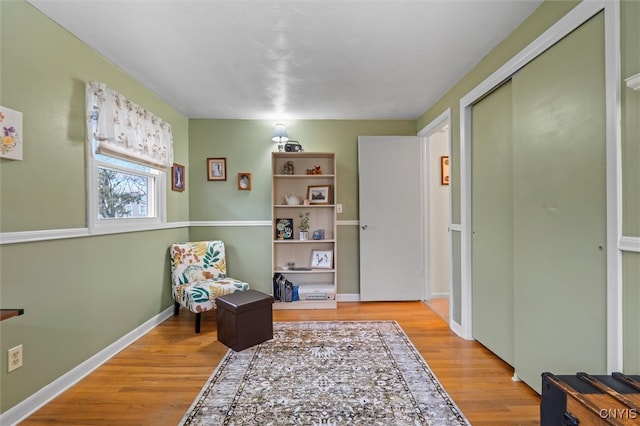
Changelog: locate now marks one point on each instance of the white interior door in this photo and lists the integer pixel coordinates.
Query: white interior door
(391, 218)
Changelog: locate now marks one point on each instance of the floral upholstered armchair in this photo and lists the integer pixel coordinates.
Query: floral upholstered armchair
(199, 275)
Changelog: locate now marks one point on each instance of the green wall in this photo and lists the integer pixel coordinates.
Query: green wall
(80, 294)
(247, 146)
(630, 40)
(44, 71)
(630, 65)
(540, 20)
(71, 289)
(631, 312)
(248, 251)
(77, 292)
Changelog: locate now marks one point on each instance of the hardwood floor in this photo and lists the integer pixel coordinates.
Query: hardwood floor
(155, 380)
(440, 307)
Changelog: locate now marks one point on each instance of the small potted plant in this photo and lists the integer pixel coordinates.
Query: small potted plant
(304, 225)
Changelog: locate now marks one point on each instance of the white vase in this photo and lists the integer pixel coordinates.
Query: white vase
(304, 235)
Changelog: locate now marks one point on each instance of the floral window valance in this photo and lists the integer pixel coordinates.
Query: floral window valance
(126, 130)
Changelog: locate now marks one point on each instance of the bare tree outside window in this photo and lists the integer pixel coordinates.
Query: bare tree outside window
(121, 194)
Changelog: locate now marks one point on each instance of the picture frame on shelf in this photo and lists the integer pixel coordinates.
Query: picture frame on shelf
(244, 181)
(216, 169)
(319, 194)
(177, 177)
(284, 229)
(444, 170)
(321, 259)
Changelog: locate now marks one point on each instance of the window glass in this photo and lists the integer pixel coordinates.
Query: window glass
(121, 194)
(123, 190)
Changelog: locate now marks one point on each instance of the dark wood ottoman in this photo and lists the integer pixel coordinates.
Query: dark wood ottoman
(245, 318)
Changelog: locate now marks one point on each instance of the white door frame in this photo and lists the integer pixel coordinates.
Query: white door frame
(426, 132)
(572, 20)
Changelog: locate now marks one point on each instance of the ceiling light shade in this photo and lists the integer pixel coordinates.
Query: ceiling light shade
(280, 134)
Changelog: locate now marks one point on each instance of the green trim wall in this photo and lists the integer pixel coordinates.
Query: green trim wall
(44, 70)
(80, 295)
(247, 146)
(539, 21)
(630, 65)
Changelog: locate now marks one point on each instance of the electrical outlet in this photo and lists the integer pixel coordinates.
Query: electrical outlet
(15, 358)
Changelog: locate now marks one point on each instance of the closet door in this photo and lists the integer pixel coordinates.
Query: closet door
(559, 208)
(492, 223)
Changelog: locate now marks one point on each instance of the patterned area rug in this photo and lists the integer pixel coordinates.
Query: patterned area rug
(326, 373)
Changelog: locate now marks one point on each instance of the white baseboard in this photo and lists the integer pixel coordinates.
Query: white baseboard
(355, 297)
(439, 295)
(456, 328)
(348, 297)
(27, 407)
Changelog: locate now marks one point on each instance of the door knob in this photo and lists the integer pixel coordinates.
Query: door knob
(364, 227)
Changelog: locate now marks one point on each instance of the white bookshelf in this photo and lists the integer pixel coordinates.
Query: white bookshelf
(322, 215)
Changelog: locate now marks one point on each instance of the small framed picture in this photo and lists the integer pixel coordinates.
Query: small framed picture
(322, 259)
(11, 142)
(319, 194)
(284, 229)
(177, 177)
(216, 169)
(244, 181)
(444, 170)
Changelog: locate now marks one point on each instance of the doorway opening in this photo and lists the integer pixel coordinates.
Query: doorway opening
(437, 239)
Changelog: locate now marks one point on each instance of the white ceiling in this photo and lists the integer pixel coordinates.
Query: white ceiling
(288, 59)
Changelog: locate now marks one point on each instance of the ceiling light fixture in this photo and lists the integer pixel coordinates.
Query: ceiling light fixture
(280, 133)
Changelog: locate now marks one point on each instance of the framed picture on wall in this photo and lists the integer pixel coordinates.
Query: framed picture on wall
(244, 181)
(216, 169)
(177, 177)
(11, 142)
(444, 170)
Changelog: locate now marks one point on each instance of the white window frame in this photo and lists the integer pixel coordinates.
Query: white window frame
(156, 199)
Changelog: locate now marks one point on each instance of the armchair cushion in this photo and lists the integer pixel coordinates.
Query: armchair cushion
(199, 275)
